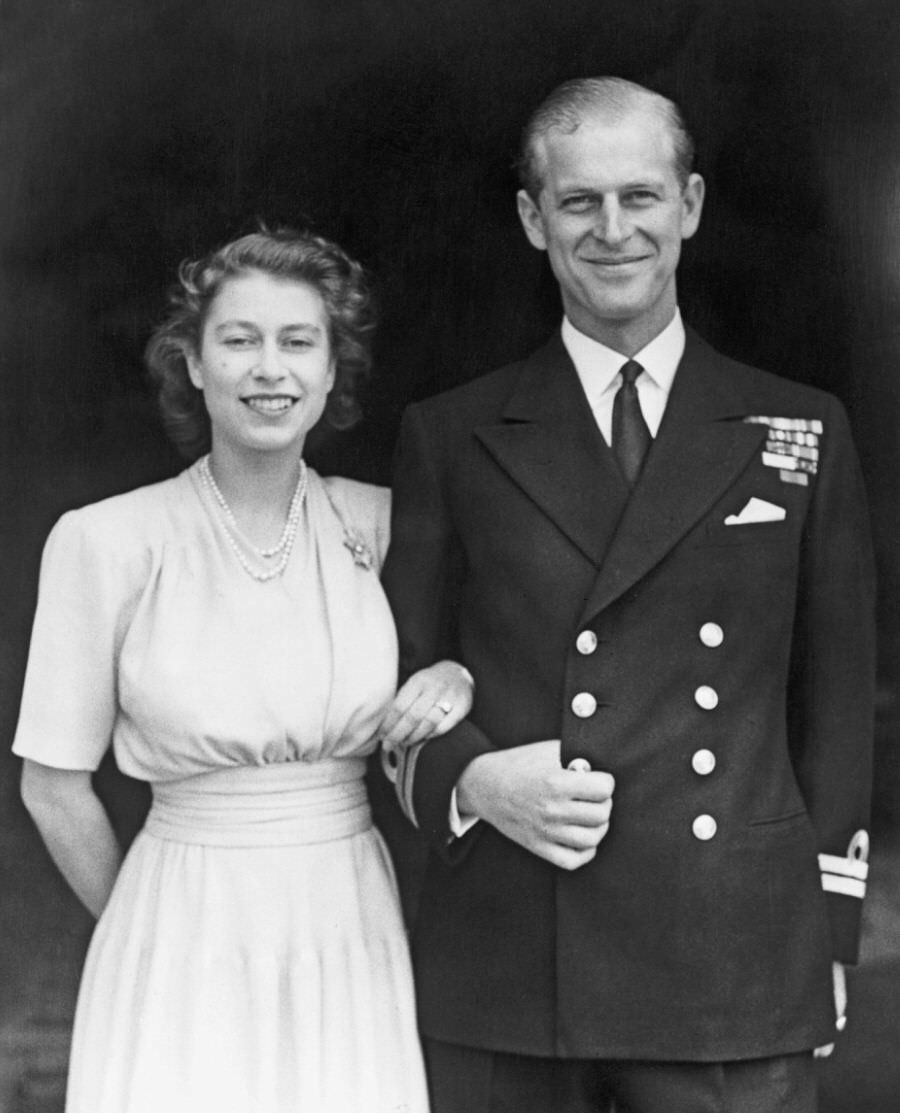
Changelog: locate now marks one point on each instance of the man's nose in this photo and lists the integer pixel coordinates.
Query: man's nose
(611, 226)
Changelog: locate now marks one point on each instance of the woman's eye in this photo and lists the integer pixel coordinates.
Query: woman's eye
(237, 341)
(298, 343)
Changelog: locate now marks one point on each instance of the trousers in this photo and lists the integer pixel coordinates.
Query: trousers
(473, 1080)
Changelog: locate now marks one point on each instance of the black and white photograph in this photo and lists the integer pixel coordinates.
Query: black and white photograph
(451, 566)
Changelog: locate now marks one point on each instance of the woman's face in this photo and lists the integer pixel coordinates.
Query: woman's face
(265, 365)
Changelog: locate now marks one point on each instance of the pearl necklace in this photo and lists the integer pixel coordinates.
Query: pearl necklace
(235, 536)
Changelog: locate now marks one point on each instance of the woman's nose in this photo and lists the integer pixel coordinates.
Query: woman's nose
(269, 364)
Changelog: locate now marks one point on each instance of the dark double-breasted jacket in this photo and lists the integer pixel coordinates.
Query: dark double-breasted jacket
(708, 639)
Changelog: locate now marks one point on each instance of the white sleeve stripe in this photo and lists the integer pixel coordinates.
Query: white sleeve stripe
(845, 867)
(406, 777)
(849, 886)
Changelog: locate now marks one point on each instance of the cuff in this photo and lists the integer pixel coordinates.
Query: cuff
(847, 875)
(400, 769)
(459, 826)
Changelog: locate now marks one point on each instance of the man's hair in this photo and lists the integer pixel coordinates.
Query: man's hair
(567, 106)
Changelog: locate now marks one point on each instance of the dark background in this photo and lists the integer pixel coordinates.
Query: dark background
(136, 132)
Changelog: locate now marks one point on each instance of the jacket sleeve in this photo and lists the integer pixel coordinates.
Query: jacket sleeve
(831, 700)
(422, 577)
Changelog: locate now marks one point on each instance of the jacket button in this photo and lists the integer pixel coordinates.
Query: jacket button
(579, 765)
(584, 705)
(586, 642)
(704, 827)
(712, 634)
(706, 697)
(703, 762)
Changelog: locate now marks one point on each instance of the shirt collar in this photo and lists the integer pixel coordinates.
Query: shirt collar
(598, 365)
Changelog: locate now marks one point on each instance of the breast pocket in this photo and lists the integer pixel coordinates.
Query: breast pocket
(716, 532)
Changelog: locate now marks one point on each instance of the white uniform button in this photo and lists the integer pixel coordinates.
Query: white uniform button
(584, 705)
(704, 828)
(586, 642)
(706, 697)
(579, 765)
(703, 762)
(712, 634)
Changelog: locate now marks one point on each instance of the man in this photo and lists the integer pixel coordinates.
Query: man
(649, 837)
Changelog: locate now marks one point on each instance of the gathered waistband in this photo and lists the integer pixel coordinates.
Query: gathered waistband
(267, 805)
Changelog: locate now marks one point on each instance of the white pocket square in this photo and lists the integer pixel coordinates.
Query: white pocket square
(757, 510)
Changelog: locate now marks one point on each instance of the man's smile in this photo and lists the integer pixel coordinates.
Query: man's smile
(623, 261)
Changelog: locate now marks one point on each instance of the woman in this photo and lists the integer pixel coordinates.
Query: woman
(227, 631)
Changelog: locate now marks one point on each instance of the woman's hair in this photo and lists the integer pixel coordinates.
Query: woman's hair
(284, 254)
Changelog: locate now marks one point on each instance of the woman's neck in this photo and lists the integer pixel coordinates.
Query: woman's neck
(258, 489)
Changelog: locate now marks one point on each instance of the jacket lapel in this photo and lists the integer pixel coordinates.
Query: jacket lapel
(548, 443)
(701, 449)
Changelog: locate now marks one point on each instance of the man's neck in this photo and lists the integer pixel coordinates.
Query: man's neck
(628, 337)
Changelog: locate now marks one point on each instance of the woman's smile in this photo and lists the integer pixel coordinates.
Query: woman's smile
(270, 405)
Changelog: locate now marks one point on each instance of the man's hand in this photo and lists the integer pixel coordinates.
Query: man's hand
(524, 792)
(839, 977)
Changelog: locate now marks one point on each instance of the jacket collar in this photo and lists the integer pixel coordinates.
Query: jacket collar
(548, 443)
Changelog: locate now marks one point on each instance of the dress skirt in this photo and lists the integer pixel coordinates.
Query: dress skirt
(252, 957)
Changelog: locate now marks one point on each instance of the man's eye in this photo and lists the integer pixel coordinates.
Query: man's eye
(641, 197)
(577, 204)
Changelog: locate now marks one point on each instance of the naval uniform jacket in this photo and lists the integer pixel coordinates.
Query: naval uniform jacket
(723, 673)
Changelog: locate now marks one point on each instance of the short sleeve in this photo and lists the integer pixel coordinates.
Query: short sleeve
(69, 699)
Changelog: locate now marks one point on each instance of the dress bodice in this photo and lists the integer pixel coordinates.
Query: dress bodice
(151, 634)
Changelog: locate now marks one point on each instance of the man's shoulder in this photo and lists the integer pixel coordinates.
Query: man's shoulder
(766, 391)
(487, 394)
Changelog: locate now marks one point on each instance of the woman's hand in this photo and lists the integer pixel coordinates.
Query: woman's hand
(431, 702)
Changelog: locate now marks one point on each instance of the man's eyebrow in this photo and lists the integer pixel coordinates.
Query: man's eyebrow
(569, 188)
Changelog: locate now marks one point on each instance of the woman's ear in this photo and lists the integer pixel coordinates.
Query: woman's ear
(195, 367)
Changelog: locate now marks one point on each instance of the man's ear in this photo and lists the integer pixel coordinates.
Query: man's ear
(532, 220)
(692, 205)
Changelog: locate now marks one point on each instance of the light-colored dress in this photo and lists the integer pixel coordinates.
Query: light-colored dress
(252, 957)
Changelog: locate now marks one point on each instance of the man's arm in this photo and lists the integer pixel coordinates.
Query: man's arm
(522, 791)
(831, 699)
(422, 576)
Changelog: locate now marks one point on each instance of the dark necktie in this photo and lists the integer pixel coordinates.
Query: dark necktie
(630, 435)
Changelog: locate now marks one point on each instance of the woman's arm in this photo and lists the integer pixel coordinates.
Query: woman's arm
(75, 829)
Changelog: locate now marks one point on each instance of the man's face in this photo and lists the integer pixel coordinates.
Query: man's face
(611, 216)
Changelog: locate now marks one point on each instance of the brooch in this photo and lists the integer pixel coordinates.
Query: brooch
(359, 550)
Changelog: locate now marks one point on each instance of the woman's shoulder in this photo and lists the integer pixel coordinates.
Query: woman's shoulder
(366, 497)
(363, 507)
(128, 522)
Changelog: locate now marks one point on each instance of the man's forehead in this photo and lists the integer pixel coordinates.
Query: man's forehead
(636, 142)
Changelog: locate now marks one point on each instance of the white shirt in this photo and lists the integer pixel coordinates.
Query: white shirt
(600, 371)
